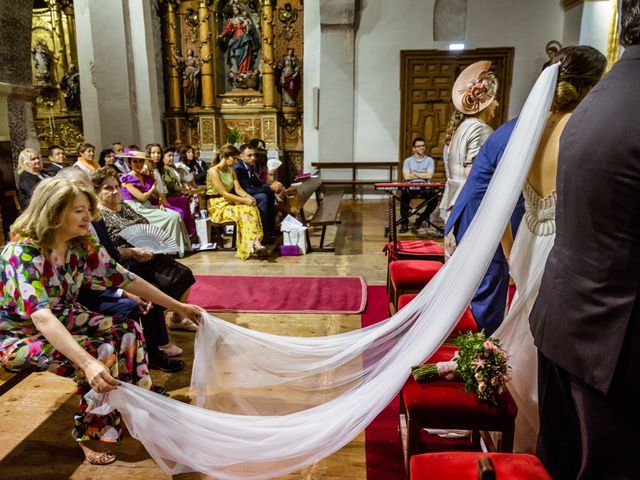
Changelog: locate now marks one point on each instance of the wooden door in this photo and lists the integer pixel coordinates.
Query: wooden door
(426, 80)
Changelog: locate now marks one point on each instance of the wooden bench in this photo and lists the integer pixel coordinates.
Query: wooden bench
(326, 214)
(354, 182)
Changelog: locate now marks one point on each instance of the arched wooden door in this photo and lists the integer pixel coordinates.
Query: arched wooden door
(427, 77)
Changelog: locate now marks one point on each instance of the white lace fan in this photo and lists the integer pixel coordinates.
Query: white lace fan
(149, 237)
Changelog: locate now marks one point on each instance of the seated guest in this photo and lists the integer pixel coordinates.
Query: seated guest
(29, 175)
(42, 325)
(57, 160)
(119, 303)
(199, 167)
(108, 159)
(171, 277)
(227, 201)
(417, 168)
(139, 192)
(87, 158)
(263, 193)
(180, 203)
(185, 168)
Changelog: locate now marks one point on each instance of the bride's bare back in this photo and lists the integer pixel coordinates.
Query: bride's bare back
(542, 176)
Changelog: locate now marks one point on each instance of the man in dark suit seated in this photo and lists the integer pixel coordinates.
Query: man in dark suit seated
(57, 160)
(264, 193)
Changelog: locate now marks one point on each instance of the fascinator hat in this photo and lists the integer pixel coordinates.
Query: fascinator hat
(133, 154)
(475, 88)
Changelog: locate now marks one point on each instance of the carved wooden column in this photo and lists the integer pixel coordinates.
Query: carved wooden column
(268, 76)
(206, 71)
(172, 74)
(59, 45)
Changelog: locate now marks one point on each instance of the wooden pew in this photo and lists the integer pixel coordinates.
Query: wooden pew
(356, 182)
(326, 214)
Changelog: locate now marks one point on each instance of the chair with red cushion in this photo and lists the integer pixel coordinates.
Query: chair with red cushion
(409, 276)
(396, 249)
(465, 466)
(409, 249)
(444, 404)
(467, 322)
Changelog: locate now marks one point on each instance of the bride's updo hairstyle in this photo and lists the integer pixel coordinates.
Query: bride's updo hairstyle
(579, 67)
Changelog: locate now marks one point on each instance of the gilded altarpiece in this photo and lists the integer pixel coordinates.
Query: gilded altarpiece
(57, 116)
(233, 71)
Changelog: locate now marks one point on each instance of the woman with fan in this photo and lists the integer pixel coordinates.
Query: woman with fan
(171, 277)
(51, 255)
(227, 201)
(140, 192)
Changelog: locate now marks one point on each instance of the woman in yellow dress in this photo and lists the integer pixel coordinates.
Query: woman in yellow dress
(227, 201)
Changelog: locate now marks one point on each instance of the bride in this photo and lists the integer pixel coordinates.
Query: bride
(580, 69)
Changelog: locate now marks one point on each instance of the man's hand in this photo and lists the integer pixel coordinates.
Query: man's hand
(276, 186)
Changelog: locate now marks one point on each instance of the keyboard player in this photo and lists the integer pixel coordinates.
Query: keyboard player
(418, 168)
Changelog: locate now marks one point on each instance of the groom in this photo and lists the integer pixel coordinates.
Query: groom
(586, 320)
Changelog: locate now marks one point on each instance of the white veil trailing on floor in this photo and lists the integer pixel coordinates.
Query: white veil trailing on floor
(269, 405)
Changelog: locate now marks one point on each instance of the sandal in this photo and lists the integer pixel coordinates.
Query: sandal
(184, 324)
(98, 458)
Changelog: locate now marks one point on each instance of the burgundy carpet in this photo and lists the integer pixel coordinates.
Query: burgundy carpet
(383, 450)
(279, 294)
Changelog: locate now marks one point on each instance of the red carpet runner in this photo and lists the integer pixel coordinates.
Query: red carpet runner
(383, 449)
(279, 294)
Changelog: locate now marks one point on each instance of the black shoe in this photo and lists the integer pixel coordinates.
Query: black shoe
(403, 228)
(161, 362)
(159, 390)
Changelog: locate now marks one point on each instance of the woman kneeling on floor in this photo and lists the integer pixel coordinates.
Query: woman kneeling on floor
(42, 326)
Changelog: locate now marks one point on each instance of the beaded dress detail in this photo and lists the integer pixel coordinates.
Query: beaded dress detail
(540, 213)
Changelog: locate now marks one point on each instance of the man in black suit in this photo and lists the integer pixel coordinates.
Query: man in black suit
(586, 320)
(254, 186)
(57, 160)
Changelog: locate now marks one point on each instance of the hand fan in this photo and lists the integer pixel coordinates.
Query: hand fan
(149, 237)
(273, 164)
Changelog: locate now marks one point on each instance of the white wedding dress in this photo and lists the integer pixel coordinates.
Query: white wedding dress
(531, 247)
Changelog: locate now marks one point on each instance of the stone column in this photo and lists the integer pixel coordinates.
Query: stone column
(268, 62)
(337, 76)
(174, 92)
(147, 76)
(206, 71)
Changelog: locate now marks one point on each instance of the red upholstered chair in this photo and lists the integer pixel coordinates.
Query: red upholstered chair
(396, 249)
(467, 322)
(409, 249)
(464, 466)
(409, 276)
(444, 404)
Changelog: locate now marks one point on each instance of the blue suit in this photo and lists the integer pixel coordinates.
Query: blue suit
(488, 304)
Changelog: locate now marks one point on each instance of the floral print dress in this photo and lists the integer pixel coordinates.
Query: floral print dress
(29, 281)
(246, 218)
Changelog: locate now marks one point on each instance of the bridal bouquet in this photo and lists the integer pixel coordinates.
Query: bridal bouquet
(480, 363)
